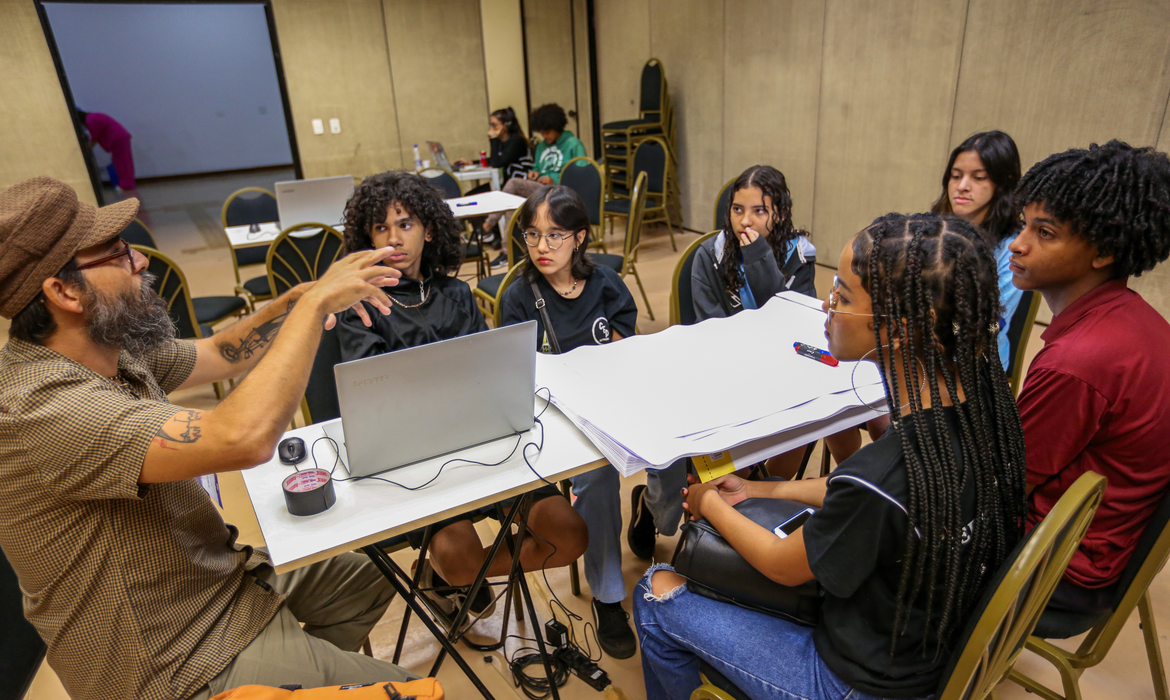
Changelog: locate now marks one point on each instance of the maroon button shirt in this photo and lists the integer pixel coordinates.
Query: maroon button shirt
(1097, 398)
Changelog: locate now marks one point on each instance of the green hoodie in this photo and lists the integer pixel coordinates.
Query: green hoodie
(551, 159)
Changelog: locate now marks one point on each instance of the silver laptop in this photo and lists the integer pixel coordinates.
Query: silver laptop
(319, 200)
(410, 405)
(441, 158)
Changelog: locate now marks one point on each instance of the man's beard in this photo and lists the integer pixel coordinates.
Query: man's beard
(135, 321)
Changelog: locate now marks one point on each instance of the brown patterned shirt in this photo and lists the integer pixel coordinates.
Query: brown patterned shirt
(138, 591)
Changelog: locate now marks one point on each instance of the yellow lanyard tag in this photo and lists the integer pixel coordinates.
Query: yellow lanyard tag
(713, 466)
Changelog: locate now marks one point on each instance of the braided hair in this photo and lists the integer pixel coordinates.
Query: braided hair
(443, 254)
(935, 296)
(1116, 196)
(780, 229)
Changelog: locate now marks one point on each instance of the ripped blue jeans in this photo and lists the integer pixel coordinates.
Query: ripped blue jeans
(764, 656)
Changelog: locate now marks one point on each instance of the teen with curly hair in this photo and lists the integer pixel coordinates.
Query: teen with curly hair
(909, 531)
(1097, 395)
(977, 185)
(759, 252)
(404, 210)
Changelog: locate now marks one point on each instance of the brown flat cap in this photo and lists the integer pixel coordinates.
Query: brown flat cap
(42, 225)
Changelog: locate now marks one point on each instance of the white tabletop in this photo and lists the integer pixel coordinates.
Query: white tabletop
(483, 204)
(474, 173)
(241, 237)
(368, 511)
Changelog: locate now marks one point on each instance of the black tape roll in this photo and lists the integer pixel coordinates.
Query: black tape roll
(308, 492)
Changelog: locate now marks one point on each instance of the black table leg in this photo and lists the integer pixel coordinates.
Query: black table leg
(396, 576)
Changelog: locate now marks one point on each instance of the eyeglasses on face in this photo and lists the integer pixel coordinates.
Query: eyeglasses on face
(124, 250)
(834, 296)
(555, 238)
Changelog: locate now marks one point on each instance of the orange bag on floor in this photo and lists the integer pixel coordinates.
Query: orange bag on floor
(422, 689)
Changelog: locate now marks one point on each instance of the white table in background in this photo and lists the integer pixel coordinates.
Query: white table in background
(242, 237)
(478, 174)
(483, 204)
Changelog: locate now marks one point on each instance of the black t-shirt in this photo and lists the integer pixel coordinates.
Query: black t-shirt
(855, 545)
(604, 307)
(449, 312)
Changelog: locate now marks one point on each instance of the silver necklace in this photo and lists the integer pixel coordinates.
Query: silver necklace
(571, 289)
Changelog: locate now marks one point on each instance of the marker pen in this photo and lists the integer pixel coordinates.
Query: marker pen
(466, 204)
(815, 354)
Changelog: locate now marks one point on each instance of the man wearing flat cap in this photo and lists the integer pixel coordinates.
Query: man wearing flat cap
(129, 574)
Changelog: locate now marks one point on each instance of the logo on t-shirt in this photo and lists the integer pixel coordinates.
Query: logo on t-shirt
(601, 331)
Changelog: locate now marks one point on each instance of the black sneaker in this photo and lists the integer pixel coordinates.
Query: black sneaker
(613, 630)
(641, 533)
(500, 261)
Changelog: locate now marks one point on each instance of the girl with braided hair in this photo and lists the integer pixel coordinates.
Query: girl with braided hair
(977, 185)
(909, 531)
(757, 254)
(1097, 395)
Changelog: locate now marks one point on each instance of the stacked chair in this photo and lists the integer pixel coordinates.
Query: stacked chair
(621, 140)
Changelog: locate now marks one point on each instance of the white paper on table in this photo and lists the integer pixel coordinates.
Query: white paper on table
(628, 397)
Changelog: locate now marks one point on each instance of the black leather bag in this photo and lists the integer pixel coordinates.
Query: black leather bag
(714, 570)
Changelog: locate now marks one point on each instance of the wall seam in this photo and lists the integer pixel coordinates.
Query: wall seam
(393, 93)
(1162, 121)
(958, 78)
(820, 109)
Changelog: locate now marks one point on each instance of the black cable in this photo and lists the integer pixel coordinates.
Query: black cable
(535, 687)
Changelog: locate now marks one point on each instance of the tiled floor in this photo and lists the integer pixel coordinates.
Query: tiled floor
(184, 217)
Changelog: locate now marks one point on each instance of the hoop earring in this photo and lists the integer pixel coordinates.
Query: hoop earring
(853, 384)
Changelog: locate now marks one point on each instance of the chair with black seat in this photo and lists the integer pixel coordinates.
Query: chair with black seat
(619, 138)
(1019, 330)
(294, 259)
(1007, 612)
(722, 204)
(625, 263)
(136, 233)
(682, 304)
(1133, 591)
(444, 180)
(490, 290)
(584, 176)
(171, 285)
(21, 647)
(651, 158)
(244, 207)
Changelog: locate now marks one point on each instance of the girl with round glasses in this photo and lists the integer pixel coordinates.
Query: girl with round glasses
(587, 304)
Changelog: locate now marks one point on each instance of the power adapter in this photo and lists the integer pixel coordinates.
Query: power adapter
(582, 667)
(556, 634)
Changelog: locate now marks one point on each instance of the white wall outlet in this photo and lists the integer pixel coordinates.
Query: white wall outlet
(318, 126)
(335, 125)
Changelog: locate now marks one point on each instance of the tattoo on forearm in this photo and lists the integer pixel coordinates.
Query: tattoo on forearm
(184, 431)
(257, 338)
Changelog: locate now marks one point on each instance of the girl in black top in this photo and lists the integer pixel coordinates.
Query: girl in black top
(758, 254)
(910, 530)
(404, 210)
(508, 152)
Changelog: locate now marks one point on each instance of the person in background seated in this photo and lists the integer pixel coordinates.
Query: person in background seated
(508, 153)
(557, 146)
(1096, 397)
(898, 582)
(404, 211)
(106, 132)
(130, 575)
(589, 304)
(977, 185)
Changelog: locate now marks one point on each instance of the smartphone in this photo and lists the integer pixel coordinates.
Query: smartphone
(793, 524)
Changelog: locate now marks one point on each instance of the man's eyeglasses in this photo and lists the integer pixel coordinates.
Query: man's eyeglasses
(555, 239)
(834, 295)
(124, 250)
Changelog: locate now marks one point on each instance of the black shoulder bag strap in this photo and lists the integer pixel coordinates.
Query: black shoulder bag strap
(548, 329)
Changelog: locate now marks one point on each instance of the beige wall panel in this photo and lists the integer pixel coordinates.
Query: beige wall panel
(1154, 286)
(503, 52)
(887, 90)
(687, 36)
(36, 131)
(335, 64)
(585, 123)
(436, 62)
(1063, 73)
(771, 94)
(623, 47)
(549, 26)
